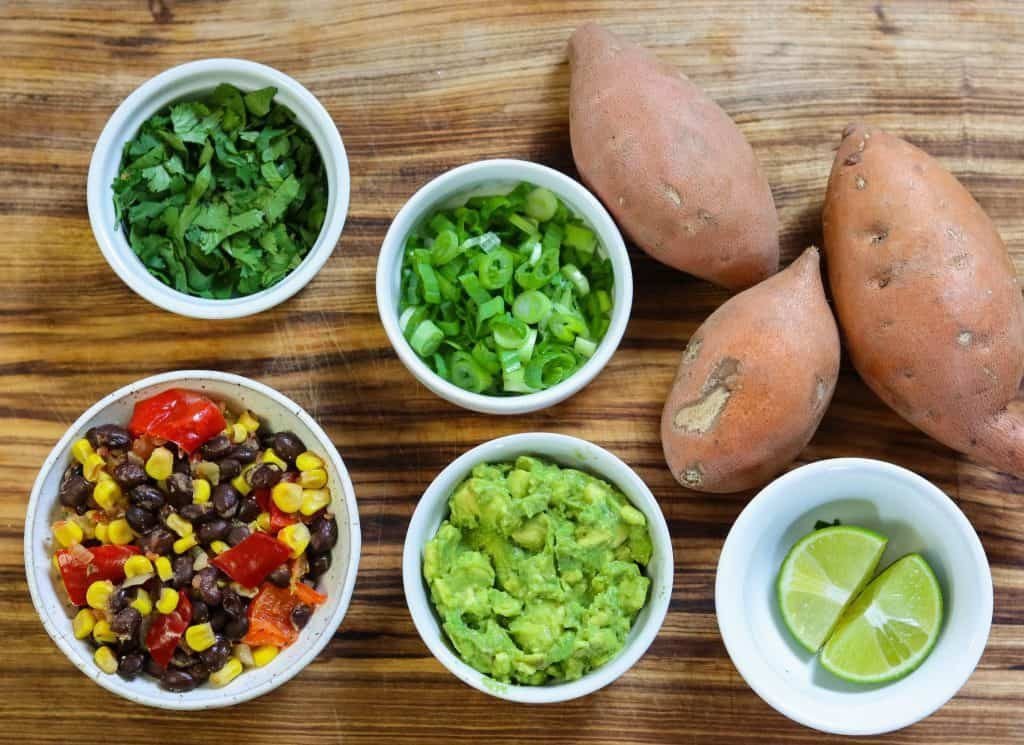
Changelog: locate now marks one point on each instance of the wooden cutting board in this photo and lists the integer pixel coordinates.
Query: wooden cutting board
(416, 88)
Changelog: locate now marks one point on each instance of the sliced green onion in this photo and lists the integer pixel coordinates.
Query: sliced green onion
(426, 339)
(466, 373)
(510, 361)
(515, 382)
(574, 275)
(445, 248)
(525, 350)
(440, 366)
(471, 283)
(550, 367)
(604, 301)
(431, 290)
(491, 308)
(531, 306)
(580, 238)
(541, 204)
(403, 320)
(525, 224)
(566, 326)
(584, 347)
(495, 269)
(450, 328)
(509, 333)
(486, 358)
(486, 242)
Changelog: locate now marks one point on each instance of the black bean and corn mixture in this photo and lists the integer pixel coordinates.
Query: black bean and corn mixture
(192, 540)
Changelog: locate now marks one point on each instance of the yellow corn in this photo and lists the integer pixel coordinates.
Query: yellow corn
(208, 471)
(295, 537)
(163, 568)
(307, 461)
(227, 673)
(184, 543)
(241, 483)
(200, 491)
(85, 524)
(167, 601)
(93, 467)
(143, 603)
(248, 421)
(178, 524)
(314, 500)
(314, 479)
(119, 533)
(102, 633)
(101, 533)
(105, 660)
(200, 636)
(287, 496)
(160, 464)
(269, 456)
(137, 565)
(83, 623)
(239, 433)
(264, 655)
(103, 476)
(99, 593)
(67, 533)
(81, 450)
(262, 522)
(219, 547)
(107, 494)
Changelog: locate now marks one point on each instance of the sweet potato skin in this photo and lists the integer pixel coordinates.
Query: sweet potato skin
(926, 295)
(668, 163)
(753, 383)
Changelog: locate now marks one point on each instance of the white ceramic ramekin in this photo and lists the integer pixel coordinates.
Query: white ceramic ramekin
(917, 517)
(280, 413)
(494, 175)
(567, 451)
(187, 81)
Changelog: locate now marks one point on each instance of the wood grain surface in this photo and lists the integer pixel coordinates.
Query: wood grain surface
(416, 88)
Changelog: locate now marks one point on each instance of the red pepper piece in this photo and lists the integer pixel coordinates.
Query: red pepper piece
(167, 629)
(280, 519)
(107, 563)
(308, 595)
(270, 617)
(186, 418)
(253, 559)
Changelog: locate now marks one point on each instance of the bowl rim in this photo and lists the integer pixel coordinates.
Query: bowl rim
(118, 252)
(599, 461)
(168, 700)
(504, 169)
(732, 558)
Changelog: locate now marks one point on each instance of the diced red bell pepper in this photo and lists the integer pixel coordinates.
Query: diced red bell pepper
(270, 617)
(167, 629)
(280, 519)
(77, 574)
(308, 595)
(186, 418)
(253, 559)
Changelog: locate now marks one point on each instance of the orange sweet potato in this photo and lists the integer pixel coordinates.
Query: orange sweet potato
(671, 166)
(753, 383)
(927, 296)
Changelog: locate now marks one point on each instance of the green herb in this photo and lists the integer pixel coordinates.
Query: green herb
(224, 196)
(506, 294)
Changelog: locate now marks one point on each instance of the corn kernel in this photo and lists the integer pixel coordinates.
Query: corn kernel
(137, 565)
(314, 500)
(83, 623)
(248, 421)
(93, 467)
(102, 632)
(107, 494)
(200, 491)
(287, 496)
(178, 524)
(184, 543)
(67, 533)
(105, 660)
(167, 601)
(81, 450)
(143, 603)
(99, 593)
(241, 483)
(208, 471)
(200, 636)
(296, 537)
(239, 433)
(227, 673)
(160, 464)
(164, 570)
(269, 456)
(103, 476)
(101, 533)
(119, 532)
(307, 461)
(219, 547)
(264, 655)
(85, 524)
(315, 479)
(262, 522)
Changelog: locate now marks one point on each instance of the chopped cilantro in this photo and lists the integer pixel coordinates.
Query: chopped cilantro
(221, 197)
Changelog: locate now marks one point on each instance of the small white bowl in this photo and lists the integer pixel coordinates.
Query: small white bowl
(917, 517)
(189, 81)
(493, 177)
(280, 413)
(567, 451)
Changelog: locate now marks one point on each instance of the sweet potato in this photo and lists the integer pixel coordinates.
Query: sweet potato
(670, 165)
(927, 296)
(753, 383)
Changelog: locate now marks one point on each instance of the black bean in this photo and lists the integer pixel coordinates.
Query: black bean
(153, 667)
(319, 565)
(129, 475)
(182, 657)
(179, 489)
(126, 622)
(266, 476)
(216, 447)
(229, 468)
(246, 452)
(140, 520)
(231, 602)
(236, 628)
(183, 572)
(182, 464)
(205, 581)
(288, 446)
(118, 599)
(130, 665)
(199, 671)
(215, 656)
(248, 510)
(219, 619)
(109, 436)
(323, 535)
(200, 612)
(129, 645)
(74, 489)
(152, 586)
(178, 681)
(157, 541)
(237, 534)
(301, 614)
(281, 576)
(226, 499)
(148, 497)
(195, 513)
(212, 530)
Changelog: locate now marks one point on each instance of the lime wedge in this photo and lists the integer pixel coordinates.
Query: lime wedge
(821, 574)
(890, 628)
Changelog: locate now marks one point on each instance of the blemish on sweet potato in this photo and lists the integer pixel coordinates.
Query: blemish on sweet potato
(852, 159)
(692, 350)
(672, 194)
(964, 338)
(702, 414)
(692, 475)
(860, 183)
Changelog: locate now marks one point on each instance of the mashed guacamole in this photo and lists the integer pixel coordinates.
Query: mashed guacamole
(537, 573)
